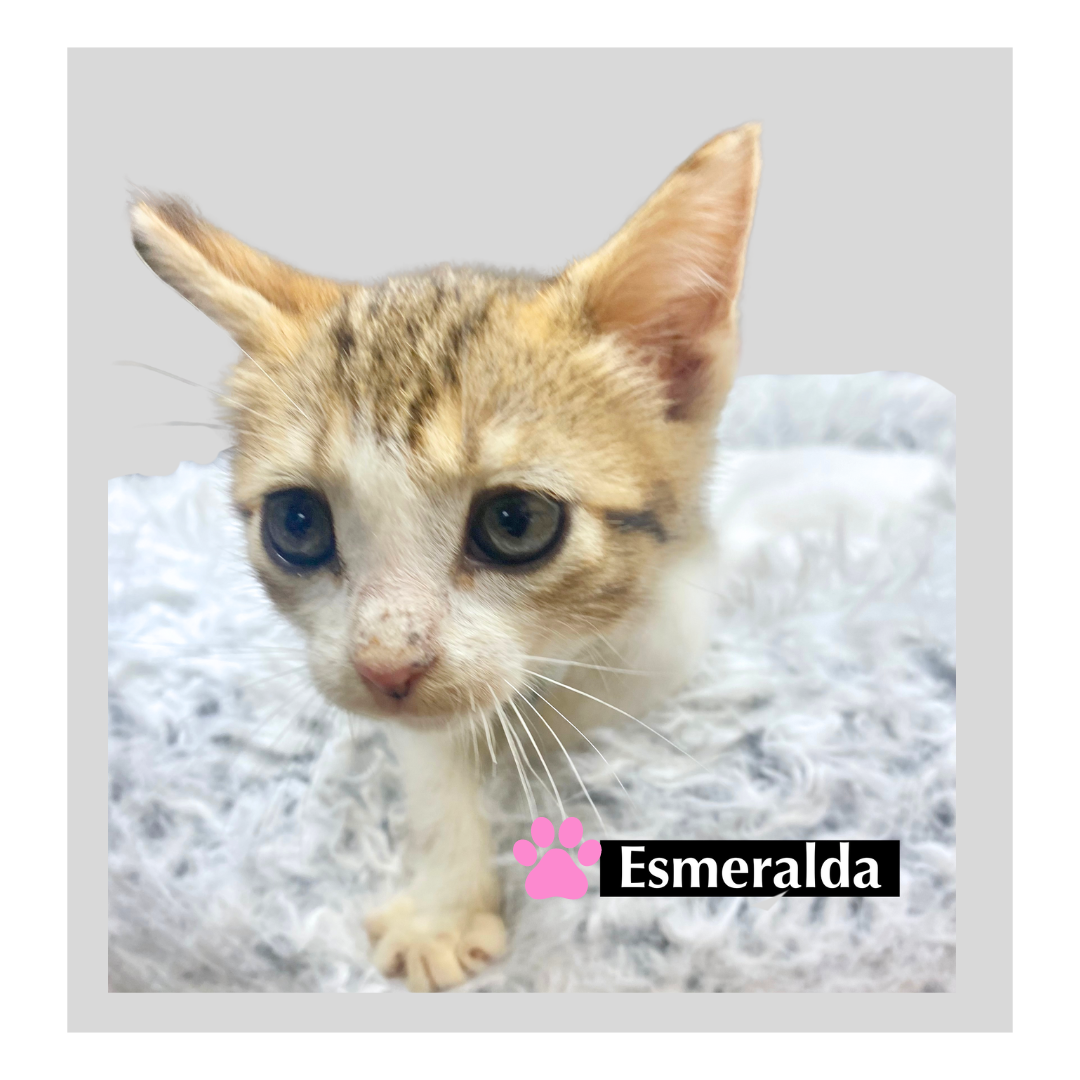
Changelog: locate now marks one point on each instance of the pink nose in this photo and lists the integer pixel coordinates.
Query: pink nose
(394, 681)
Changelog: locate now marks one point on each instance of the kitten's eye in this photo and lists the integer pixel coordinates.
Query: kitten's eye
(298, 529)
(515, 527)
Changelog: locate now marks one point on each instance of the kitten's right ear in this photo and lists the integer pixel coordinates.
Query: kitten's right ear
(261, 302)
(667, 282)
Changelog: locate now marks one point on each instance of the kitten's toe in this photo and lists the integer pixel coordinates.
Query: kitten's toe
(427, 962)
(432, 965)
(433, 951)
(484, 940)
(379, 922)
(389, 954)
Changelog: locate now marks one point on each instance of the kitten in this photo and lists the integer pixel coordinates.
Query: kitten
(460, 485)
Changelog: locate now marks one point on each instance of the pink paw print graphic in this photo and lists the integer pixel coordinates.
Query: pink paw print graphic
(556, 874)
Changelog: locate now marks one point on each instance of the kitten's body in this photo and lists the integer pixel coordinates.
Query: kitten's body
(422, 416)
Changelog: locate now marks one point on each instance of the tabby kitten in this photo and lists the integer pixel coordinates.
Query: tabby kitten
(463, 487)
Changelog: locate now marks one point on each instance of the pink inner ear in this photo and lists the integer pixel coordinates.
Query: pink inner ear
(671, 276)
(685, 373)
(665, 300)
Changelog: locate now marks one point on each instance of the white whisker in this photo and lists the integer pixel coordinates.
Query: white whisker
(525, 757)
(622, 712)
(513, 751)
(277, 384)
(490, 742)
(278, 794)
(308, 701)
(210, 648)
(248, 742)
(296, 672)
(209, 389)
(474, 713)
(162, 371)
(587, 739)
(349, 720)
(569, 759)
(593, 667)
(183, 423)
(475, 743)
(607, 642)
(554, 786)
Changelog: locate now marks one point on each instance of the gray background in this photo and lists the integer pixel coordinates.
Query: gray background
(882, 241)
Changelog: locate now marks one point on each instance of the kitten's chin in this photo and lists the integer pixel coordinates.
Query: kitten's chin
(414, 713)
(416, 722)
(408, 715)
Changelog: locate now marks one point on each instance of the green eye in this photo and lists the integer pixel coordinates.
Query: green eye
(511, 528)
(298, 529)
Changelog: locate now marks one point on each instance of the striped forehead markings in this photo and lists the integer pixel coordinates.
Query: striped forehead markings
(344, 352)
(412, 376)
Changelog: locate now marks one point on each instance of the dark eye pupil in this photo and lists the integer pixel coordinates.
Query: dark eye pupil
(514, 519)
(297, 522)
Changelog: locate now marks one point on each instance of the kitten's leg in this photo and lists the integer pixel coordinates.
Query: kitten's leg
(446, 926)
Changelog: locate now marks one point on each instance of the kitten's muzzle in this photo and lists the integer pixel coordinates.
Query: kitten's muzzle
(395, 681)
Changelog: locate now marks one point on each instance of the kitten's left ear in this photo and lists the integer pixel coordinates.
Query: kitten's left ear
(261, 302)
(666, 283)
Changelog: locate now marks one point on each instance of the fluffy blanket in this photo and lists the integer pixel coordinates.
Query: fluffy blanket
(250, 825)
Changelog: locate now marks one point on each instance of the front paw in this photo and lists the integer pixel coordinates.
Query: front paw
(435, 950)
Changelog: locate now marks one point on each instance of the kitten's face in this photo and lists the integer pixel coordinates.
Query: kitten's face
(502, 486)
(450, 478)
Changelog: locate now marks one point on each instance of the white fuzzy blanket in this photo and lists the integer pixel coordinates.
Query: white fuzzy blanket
(249, 829)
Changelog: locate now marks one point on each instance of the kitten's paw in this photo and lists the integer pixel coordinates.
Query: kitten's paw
(434, 950)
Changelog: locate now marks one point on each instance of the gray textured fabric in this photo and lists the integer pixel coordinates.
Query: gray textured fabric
(250, 825)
